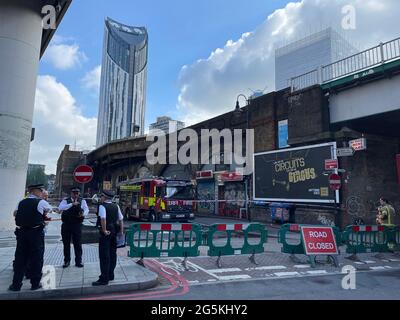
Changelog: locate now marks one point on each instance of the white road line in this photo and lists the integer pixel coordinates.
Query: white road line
(377, 268)
(317, 272)
(388, 267)
(194, 281)
(359, 262)
(286, 274)
(394, 260)
(369, 262)
(234, 277)
(302, 266)
(266, 268)
(211, 280)
(224, 270)
(202, 269)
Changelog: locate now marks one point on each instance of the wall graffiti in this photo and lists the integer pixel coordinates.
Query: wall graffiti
(235, 197)
(326, 221)
(206, 192)
(355, 206)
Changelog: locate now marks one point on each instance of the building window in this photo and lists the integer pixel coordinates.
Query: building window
(283, 134)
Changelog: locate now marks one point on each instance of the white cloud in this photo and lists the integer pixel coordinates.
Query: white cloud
(58, 121)
(64, 56)
(210, 86)
(91, 80)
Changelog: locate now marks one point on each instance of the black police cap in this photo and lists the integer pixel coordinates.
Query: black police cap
(108, 193)
(36, 187)
(75, 189)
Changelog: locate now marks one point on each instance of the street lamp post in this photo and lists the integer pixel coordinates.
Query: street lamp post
(238, 112)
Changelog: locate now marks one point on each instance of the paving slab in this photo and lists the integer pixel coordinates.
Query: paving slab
(75, 282)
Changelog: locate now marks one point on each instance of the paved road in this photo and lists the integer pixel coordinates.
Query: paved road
(369, 286)
(275, 277)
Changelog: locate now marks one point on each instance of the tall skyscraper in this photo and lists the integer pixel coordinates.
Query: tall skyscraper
(310, 53)
(123, 82)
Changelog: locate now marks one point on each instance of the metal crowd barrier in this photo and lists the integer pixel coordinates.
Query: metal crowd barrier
(363, 239)
(231, 249)
(298, 248)
(164, 240)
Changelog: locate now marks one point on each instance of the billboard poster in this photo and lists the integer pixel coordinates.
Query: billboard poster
(294, 175)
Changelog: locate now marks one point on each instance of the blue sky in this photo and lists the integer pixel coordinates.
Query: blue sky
(180, 32)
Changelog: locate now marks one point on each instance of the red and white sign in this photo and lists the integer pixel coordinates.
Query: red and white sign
(83, 174)
(335, 182)
(204, 174)
(319, 240)
(332, 164)
(231, 176)
(358, 144)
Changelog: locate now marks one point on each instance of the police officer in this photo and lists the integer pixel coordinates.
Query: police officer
(74, 210)
(111, 224)
(29, 218)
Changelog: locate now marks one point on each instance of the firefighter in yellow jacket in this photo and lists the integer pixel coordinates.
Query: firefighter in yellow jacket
(386, 213)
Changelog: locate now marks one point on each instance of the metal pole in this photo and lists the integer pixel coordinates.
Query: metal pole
(83, 185)
(247, 177)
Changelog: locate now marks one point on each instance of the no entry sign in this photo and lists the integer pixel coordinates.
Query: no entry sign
(83, 174)
(319, 241)
(335, 182)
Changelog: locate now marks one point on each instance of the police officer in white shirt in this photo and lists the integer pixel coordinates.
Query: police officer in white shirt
(111, 224)
(29, 218)
(74, 210)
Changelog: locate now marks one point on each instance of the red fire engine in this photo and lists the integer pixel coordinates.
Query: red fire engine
(158, 200)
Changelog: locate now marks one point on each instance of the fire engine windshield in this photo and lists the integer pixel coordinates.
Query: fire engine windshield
(180, 192)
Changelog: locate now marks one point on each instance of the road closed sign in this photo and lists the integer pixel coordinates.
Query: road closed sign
(319, 241)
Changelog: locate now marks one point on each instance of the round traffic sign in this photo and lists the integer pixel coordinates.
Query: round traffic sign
(335, 182)
(83, 174)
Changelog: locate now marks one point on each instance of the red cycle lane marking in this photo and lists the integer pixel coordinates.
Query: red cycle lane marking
(156, 267)
(173, 287)
(185, 286)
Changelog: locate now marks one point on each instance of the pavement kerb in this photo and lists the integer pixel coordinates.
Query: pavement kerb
(76, 292)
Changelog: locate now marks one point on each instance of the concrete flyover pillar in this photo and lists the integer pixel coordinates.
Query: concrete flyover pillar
(20, 43)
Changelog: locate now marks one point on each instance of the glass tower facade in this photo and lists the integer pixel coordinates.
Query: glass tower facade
(123, 82)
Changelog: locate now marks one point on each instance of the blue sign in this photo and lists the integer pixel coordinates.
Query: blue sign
(283, 134)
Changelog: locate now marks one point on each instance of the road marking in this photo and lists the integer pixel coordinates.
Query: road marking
(234, 277)
(193, 282)
(202, 269)
(369, 262)
(211, 280)
(286, 274)
(359, 262)
(388, 267)
(317, 272)
(394, 260)
(302, 266)
(377, 268)
(266, 268)
(224, 270)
